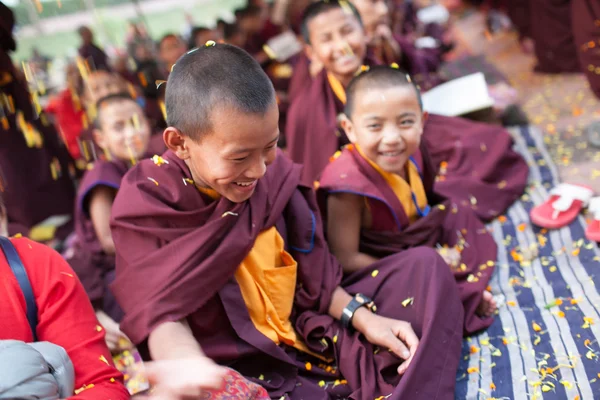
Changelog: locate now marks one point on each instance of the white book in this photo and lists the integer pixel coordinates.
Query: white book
(437, 14)
(459, 96)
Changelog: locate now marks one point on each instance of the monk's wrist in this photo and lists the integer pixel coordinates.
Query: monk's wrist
(361, 318)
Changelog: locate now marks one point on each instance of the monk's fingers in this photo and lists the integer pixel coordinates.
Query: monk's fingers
(395, 345)
(112, 341)
(124, 342)
(404, 331)
(404, 366)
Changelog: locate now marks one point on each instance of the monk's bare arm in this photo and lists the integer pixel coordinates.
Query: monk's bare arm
(101, 202)
(344, 218)
(173, 341)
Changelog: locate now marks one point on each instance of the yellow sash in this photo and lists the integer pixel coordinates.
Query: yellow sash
(402, 189)
(267, 280)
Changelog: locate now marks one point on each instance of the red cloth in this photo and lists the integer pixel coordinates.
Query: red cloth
(69, 120)
(65, 318)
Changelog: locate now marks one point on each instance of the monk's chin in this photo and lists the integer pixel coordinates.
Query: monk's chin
(239, 194)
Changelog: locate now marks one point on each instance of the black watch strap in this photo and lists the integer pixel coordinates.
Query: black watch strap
(358, 301)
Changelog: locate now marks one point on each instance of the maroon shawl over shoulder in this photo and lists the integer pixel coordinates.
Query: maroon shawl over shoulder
(586, 28)
(92, 265)
(391, 232)
(312, 133)
(177, 252)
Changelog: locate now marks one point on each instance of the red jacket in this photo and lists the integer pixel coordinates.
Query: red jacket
(65, 318)
(69, 119)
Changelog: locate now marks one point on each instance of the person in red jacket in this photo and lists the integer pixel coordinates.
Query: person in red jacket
(68, 111)
(65, 317)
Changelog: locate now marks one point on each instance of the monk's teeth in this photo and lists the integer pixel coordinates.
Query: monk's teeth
(246, 184)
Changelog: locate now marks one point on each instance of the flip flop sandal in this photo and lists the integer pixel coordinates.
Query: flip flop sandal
(592, 231)
(593, 134)
(565, 203)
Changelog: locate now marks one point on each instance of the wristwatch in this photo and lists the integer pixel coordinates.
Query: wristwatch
(359, 300)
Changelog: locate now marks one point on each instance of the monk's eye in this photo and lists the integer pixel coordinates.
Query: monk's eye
(407, 122)
(240, 159)
(374, 126)
(347, 29)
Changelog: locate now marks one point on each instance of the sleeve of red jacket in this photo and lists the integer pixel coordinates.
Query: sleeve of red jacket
(66, 318)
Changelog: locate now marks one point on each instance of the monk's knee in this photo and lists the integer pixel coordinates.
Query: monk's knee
(431, 263)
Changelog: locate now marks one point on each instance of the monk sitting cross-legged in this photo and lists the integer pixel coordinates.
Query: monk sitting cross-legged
(377, 194)
(221, 259)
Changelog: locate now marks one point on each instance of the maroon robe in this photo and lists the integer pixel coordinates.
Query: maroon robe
(178, 250)
(300, 78)
(421, 64)
(520, 15)
(586, 29)
(391, 233)
(93, 266)
(31, 192)
(481, 169)
(95, 56)
(552, 32)
(409, 24)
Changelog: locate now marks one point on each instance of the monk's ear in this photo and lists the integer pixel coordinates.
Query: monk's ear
(348, 127)
(176, 142)
(425, 117)
(99, 138)
(310, 52)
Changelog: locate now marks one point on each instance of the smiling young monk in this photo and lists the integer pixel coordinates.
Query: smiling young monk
(221, 256)
(378, 193)
(479, 167)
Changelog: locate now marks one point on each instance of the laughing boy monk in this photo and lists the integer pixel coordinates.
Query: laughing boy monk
(379, 199)
(221, 256)
(479, 167)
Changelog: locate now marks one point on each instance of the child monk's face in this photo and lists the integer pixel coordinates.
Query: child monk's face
(387, 125)
(337, 41)
(171, 49)
(101, 84)
(373, 13)
(235, 155)
(124, 131)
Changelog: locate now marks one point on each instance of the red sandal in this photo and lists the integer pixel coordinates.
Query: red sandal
(565, 203)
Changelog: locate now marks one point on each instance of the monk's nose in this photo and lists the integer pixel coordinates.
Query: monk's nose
(258, 170)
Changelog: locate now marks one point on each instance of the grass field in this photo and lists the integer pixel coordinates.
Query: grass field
(65, 43)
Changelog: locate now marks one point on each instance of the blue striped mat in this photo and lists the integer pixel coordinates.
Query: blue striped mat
(536, 349)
